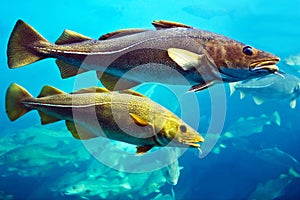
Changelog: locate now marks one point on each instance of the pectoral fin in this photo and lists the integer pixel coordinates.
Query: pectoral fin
(69, 37)
(143, 149)
(121, 33)
(67, 70)
(201, 86)
(79, 132)
(113, 83)
(162, 24)
(185, 59)
(138, 120)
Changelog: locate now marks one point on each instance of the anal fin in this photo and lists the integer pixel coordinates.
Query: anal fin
(47, 119)
(67, 70)
(79, 132)
(242, 95)
(258, 100)
(113, 83)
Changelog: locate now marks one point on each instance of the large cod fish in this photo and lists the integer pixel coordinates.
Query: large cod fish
(125, 116)
(174, 53)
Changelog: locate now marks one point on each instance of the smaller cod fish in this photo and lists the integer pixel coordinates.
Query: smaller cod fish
(125, 116)
(270, 87)
(174, 53)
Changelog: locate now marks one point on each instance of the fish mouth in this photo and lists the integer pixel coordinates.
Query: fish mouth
(269, 65)
(193, 142)
(194, 145)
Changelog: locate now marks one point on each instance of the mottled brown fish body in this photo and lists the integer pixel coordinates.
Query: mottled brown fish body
(125, 117)
(187, 55)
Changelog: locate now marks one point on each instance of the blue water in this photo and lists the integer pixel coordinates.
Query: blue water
(235, 172)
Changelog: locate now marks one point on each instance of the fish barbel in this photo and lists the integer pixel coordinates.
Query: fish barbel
(125, 116)
(174, 53)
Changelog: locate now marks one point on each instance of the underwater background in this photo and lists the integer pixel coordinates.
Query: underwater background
(262, 164)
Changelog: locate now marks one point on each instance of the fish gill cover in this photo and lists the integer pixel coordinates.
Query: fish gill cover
(256, 151)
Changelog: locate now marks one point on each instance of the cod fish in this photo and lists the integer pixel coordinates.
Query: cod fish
(174, 53)
(270, 87)
(272, 189)
(126, 116)
(278, 157)
(245, 127)
(293, 60)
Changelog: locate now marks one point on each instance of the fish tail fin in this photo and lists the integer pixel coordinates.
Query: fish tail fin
(20, 49)
(276, 118)
(15, 94)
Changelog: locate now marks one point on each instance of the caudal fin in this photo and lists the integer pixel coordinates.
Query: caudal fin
(15, 94)
(20, 49)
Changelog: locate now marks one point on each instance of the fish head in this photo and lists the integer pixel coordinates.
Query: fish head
(75, 189)
(176, 132)
(237, 61)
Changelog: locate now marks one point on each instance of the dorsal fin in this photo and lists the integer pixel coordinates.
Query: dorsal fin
(132, 92)
(49, 91)
(115, 83)
(162, 24)
(91, 90)
(68, 37)
(120, 33)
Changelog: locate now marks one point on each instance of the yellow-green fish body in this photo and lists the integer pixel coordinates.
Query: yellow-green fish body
(128, 116)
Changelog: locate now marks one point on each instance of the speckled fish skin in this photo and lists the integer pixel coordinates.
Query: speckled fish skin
(201, 57)
(130, 118)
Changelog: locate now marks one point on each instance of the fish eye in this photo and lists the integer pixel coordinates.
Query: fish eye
(182, 128)
(248, 50)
